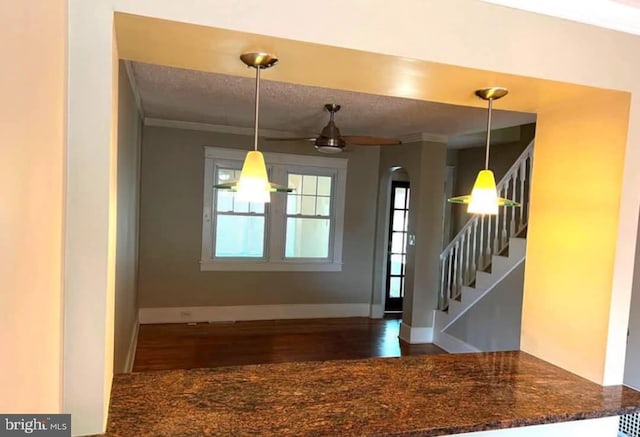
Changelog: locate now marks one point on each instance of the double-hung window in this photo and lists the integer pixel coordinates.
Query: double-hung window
(298, 231)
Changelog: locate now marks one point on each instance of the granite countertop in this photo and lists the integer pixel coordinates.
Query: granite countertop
(409, 396)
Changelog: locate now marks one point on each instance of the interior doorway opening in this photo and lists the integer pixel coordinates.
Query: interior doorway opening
(397, 241)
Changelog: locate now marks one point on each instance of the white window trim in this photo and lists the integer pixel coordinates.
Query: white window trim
(279, 164)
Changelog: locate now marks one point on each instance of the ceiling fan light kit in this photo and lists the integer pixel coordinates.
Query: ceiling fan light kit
(484, 198)
(254, 185)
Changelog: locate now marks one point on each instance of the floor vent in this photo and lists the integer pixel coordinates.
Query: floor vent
(630, 425)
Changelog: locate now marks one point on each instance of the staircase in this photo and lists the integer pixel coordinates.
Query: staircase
(482, 256)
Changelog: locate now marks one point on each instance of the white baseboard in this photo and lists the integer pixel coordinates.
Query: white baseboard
(452, 344)
(415, 335)
(377, 312)
(133, 344)
(251, 312)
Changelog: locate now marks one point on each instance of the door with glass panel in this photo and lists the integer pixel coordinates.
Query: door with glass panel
(397, 252)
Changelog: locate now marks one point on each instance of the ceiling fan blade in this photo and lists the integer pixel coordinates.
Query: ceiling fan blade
(289, 139)
(370, 141)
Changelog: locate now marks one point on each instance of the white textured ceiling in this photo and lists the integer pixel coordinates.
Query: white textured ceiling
(195, 96)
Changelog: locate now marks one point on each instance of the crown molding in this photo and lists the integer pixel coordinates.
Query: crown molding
(134, 87)
(424, 136)
(218, 128)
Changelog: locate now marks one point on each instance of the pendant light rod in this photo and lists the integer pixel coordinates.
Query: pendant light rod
(490, 94)
(486, 158)
(259, 61)
(256, 116)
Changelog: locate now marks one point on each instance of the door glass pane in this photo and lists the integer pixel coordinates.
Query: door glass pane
(396, 265)
(399, 221)
(397, 243)
(399, 198)
(394, 287)
(324, 185)
(307, 238)
(239, 236)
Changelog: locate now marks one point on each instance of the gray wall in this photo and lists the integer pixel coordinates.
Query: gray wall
(126, 307)
(171, 229)
(493, 323)
(425, 164)
(632, 367)
(470, 161)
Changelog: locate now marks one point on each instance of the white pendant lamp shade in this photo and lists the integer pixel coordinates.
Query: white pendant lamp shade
(253, 185)
(484, 198)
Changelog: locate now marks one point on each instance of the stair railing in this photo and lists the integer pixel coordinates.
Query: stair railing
(486, 235)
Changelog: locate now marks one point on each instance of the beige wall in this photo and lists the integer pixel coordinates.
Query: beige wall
(126, 305)
(171, 230)
(32, 138)
(471, 160)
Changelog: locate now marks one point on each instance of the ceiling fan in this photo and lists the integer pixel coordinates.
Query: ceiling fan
(330, 140)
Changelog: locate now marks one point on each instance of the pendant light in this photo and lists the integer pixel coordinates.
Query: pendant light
(484, 198)
(254, 185)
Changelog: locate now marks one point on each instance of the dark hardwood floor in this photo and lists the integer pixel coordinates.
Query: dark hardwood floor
(181, 346)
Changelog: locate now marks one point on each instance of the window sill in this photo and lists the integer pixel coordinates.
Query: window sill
(265, 266)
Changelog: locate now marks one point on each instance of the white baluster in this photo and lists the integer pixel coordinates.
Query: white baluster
(503, 238)
(467, 256)
(472, 272)
(443, 263)
(523, 199)
(496, 235)
(487, 258)
(481, 247)
(512, 225)
(449, 277)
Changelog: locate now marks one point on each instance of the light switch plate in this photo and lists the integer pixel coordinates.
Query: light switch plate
(412, 240)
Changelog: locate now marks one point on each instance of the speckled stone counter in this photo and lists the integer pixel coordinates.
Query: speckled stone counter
(408, 396)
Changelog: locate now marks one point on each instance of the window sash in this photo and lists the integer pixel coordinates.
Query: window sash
(275, 213)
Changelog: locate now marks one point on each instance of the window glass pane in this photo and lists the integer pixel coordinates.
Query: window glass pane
(323, 206)
(225, 175)
(398, 221)
(308, 205)
(240, 205)
(399, 198)
(239, 236)
(408, 193)
(397, 242)
(394, 287)
(396, 265)
(256, 207)
(224, 200)
(293, 204)
(402, 288)
(295, 182)
(309, 184)
(324, 185)
(307, 238)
